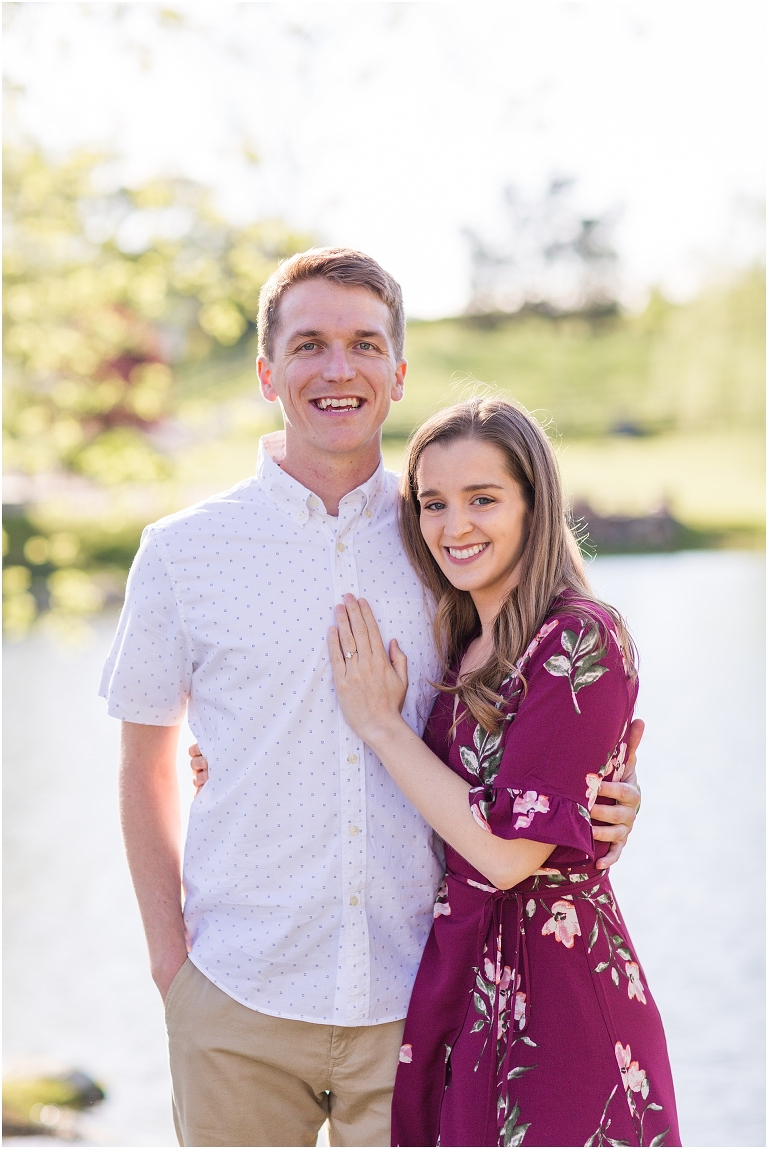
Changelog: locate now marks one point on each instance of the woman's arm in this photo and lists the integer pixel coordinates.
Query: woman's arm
(371, 687)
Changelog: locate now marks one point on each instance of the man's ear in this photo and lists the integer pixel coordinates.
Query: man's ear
(264, 371)
(398, 385)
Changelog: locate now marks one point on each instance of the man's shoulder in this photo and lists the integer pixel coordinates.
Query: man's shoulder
(203, 516)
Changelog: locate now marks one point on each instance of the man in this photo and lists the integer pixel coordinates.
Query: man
(309, 879)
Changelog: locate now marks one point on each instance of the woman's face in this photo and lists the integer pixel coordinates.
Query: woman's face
(473, 517)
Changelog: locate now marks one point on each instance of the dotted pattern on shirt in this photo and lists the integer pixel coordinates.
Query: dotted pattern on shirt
(310, 879)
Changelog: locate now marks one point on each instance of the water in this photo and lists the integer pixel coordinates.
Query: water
(690, 884)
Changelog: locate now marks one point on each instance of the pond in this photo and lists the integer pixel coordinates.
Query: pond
(691, 882)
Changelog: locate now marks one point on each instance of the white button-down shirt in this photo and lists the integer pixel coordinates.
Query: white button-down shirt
(309, 878)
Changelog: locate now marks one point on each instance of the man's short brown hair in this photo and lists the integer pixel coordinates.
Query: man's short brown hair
(340, 265)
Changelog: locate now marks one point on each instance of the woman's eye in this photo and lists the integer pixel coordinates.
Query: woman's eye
(484, 501)
(433, 506)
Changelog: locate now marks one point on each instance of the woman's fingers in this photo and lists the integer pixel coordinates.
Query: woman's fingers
(346, 637)
(195, 751)
(399, 662)
(358, 624)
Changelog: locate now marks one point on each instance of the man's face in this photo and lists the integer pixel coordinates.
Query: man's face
(333, 368)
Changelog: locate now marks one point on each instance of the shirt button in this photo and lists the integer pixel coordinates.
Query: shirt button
(354, 900)
(354, 831)
(352, 758)
(313, 502)
(340, 548)
(368, 513)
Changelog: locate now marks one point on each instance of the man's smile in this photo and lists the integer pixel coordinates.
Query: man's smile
(334, 404)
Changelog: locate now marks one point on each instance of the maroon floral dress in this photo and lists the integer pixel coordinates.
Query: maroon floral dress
(531, 1022)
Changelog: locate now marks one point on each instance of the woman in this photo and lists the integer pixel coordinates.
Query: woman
(530, 1020)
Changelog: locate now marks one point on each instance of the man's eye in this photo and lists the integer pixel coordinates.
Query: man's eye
(308, 346)
(366, 346)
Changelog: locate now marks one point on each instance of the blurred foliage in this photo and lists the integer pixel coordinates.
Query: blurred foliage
(674, 368)
(130, 319)
(108, 295)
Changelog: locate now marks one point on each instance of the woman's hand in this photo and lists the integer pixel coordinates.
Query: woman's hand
(370, 684)
(199, 767)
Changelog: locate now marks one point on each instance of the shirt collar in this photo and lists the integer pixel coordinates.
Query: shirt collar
(298, 501)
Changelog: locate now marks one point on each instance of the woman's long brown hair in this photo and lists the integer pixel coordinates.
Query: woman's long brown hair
(551, 562)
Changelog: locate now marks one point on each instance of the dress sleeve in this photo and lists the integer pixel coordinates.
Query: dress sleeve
(569, 722)
(148, 674)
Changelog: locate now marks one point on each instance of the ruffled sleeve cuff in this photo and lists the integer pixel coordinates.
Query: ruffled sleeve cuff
(538, 817)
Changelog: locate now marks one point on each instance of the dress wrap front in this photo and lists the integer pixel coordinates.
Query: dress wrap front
(531, 1022)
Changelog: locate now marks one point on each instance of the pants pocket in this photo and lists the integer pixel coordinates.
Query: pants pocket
(175, 984)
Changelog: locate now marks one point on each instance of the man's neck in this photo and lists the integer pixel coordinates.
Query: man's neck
(330, 477)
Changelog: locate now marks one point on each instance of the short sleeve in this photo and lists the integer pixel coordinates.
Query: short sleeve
(569, 722)
(148, 674)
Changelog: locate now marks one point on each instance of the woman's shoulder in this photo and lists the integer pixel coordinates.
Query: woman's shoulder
(578, 631)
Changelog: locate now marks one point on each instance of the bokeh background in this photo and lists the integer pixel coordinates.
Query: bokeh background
(572, 196)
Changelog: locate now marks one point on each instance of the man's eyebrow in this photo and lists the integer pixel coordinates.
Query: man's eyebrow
(311, 333)
(468, 489)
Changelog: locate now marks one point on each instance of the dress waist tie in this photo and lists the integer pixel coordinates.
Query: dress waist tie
(511, 1002)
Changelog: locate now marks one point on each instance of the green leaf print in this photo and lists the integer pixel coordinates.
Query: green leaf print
(519, 1071)
(480, 1006)
(660, 1138)
(479, 1024)
(613, 1141)
(528, 1041)
(512, 1133)
(653, 1105)
(614, 975)
(622, 951)
(581, 662)
(602, 966)
(469, 760)
(592, 937)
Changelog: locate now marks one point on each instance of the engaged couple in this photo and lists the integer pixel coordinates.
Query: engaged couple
(414, 938)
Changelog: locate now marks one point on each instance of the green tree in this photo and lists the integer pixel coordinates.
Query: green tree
(106, 296)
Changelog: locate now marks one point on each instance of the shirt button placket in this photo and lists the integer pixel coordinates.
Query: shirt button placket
(353, 846)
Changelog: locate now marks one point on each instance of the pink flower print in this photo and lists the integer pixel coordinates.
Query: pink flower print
(506, 978)
(406, 1054)
(477, 813)
(564, 924)
(617, 763)
(490, 972)
(635, 987)
(593, 785)
(528, 804)
(441, 901)
(520, 1009)
(546, 629)
(633, 1077)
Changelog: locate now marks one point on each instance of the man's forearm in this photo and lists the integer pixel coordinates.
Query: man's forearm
(149, 810)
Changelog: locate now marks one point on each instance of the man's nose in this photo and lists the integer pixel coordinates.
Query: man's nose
(337, 367)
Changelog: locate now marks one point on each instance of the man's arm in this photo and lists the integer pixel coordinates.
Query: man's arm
(149, 812)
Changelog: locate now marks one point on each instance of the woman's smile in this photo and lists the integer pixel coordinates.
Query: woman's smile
(466, 554)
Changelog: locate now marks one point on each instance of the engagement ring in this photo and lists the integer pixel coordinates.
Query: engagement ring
(350, 653)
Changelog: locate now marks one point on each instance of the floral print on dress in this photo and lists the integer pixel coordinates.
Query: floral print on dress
(406, 1054)
(527, 805)
(581, 662)
(564, 924)
(442, 905)
(635, 987)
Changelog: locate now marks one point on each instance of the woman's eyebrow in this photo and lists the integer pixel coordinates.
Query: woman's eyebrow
(471, 487)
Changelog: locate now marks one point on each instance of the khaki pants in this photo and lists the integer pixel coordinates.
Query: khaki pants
(245, 1078)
